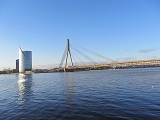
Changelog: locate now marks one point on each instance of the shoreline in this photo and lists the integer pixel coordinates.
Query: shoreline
(75, 70)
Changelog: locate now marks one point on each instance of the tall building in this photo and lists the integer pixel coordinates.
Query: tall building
(25, 60)
(17, 64)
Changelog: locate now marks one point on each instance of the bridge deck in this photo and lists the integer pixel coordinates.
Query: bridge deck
(113, 65)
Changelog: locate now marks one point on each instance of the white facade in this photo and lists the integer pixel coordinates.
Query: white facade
(25, 61)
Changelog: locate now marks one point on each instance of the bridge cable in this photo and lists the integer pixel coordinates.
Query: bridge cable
(94, 53)
(78, 57)
(76, 63)
(85, 56)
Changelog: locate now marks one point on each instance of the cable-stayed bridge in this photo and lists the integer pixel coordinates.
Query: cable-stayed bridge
(76, 57)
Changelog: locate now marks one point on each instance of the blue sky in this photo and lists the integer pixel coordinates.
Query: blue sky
(117, 29)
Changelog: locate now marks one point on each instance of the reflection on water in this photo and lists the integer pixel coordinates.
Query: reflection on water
(24, 86)
(92, 95)
(69, 87)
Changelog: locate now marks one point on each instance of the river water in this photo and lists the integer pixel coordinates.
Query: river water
(130, 94)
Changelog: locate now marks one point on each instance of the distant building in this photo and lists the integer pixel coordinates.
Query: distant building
(25, 60)
(17, 64)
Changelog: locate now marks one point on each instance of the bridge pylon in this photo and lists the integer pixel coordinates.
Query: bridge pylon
(67, 53)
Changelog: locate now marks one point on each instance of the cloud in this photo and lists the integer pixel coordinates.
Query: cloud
(126, 59)
(154, 57)
(147, 50)
(48, 66)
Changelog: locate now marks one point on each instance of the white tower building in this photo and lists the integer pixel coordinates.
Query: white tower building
(25, 60)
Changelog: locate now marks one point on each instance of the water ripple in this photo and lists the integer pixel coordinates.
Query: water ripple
(97, 95)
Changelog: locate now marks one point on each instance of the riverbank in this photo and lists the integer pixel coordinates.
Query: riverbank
(78, 69)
